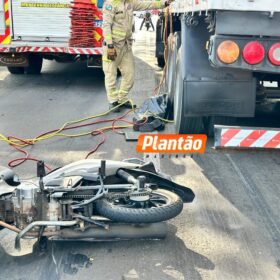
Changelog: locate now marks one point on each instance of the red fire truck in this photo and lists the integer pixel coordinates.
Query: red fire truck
(61, 30)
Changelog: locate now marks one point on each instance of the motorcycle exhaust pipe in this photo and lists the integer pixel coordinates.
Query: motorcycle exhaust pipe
(115, 232)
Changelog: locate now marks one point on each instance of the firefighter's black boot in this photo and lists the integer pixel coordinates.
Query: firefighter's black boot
(128, 105)
(113, 108)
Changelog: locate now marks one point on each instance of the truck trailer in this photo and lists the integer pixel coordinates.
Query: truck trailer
(222, 58)
(64, 30)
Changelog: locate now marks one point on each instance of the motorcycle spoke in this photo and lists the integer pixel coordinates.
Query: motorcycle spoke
(154, 201)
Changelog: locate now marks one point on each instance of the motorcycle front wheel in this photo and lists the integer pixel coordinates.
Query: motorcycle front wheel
(162, 205)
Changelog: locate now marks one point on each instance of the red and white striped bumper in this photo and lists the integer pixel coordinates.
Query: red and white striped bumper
(247, 137)
(86, 51)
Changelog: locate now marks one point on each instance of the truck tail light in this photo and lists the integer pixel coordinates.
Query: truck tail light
(253, 53)
(228, 52)
(274, 54)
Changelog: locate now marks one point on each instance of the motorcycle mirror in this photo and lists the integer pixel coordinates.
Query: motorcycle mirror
(102, 169)
(41, 172)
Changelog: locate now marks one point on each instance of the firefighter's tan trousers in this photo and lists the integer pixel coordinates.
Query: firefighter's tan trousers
(125, 63)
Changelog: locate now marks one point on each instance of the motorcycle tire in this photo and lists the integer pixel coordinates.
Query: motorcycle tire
(117, 213)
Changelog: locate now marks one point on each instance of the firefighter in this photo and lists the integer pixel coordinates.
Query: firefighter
(117, 52)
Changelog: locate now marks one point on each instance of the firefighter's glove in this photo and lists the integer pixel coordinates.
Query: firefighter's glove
(111, 52)
(168, 2)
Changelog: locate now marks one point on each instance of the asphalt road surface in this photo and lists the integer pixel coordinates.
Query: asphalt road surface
(230, 231)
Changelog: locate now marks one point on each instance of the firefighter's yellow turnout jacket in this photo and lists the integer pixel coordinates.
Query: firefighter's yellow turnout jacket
(118, 18)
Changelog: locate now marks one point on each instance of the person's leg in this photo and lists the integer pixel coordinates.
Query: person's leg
(110, 71)
(126, 67)
(152, 24)
(142, 23)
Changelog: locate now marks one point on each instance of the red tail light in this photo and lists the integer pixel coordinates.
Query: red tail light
(274, 54)
(253, 53)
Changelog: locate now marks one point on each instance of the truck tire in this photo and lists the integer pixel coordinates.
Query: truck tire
(120, 213)
(183, 124)
(35, 65)
(16, 70)
(160, 61)
(209, 123)
(159, 43)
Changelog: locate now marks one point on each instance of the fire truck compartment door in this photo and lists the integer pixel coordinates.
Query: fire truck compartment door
(41, 20)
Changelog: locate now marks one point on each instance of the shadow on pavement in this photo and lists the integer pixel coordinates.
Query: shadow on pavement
(243, 184)
(155, 259)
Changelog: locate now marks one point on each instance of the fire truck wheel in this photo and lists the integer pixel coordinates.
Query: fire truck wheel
(35, 65)
(16, 70)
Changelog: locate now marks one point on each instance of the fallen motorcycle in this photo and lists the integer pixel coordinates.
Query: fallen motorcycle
(91, 200)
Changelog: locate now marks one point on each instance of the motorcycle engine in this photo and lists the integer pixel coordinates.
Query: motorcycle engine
(30, 205)
(24, 201)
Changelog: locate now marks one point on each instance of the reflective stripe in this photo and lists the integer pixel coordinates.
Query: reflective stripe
(119, 33)
(116, 2)
(123, 95)
(113, 93)
(108, 37)
(123, 91)
(159, 5)
(104, 58)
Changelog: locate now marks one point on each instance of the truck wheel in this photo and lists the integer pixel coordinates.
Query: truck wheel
(183, 124)
(161, 61)
(209, 123)
(16, 70)
(35, 65)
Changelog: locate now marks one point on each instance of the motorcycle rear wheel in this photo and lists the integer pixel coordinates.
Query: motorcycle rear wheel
(163, 205)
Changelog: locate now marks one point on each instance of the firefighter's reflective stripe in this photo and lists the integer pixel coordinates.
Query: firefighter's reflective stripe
(122, 91)
(104, 58)
(159, 5)
(118, 33)
(108, 37)
(5, 39)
